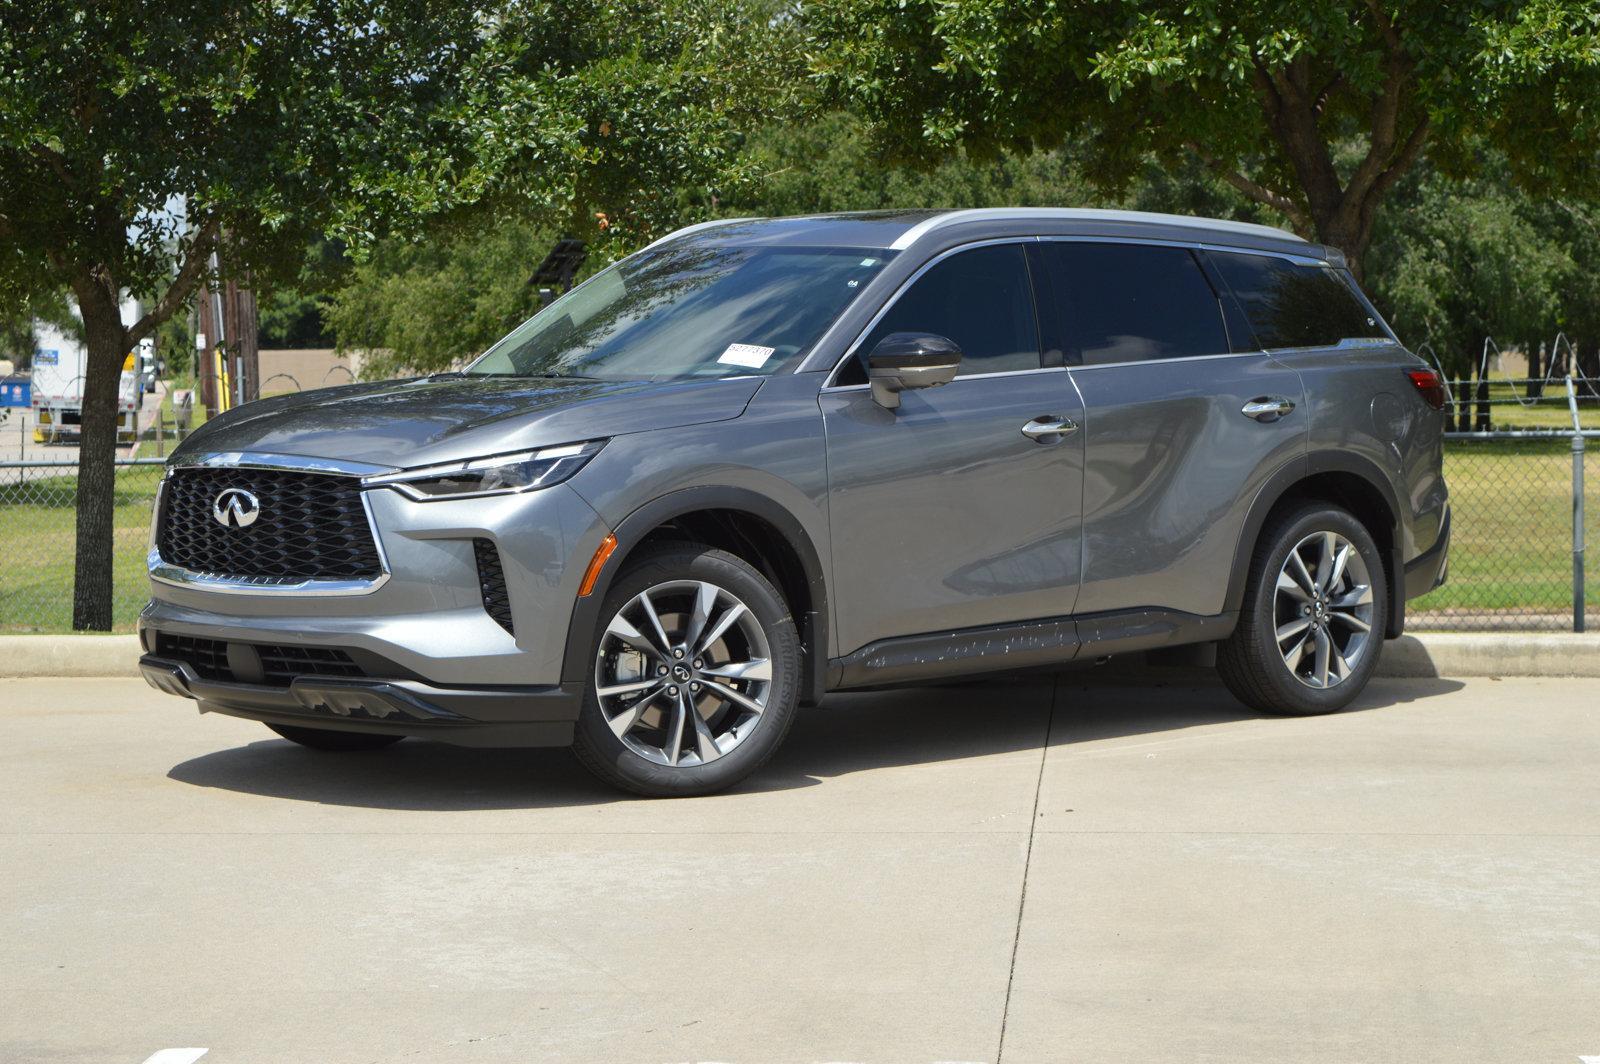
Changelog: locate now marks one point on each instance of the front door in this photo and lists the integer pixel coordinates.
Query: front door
(944, 514)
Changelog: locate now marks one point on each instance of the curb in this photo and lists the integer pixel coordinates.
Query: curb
(1430, 655)
(1491, 654)
(69, 655)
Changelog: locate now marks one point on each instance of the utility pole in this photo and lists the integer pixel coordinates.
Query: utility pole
(243, 348)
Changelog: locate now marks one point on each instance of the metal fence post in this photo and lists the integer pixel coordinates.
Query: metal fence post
(1577, 510)
(1577, 533)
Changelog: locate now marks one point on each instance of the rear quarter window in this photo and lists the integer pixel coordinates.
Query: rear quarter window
(1293, 304)
(1132, 302)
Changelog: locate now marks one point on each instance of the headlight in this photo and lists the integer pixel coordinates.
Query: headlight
(500, 475)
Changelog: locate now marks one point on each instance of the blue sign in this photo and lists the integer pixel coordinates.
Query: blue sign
(46, 356)
(14, 392)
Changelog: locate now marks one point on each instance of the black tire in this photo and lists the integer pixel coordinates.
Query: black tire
(1250, 661)
(333, 739)
(605, 754)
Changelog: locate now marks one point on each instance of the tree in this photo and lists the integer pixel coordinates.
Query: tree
(1314, 108)
(612, 123)
(424, 307)
(138, 137)
(1462, 261)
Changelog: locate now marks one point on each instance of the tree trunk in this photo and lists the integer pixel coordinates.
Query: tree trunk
(1587, 359)
(1482, 423)
(104, 339)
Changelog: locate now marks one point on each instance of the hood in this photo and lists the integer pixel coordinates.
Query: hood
(428, 420)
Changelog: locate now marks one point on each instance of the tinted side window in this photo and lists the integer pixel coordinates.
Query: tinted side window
(1292, 304)
(1132, 302)
(982, 300)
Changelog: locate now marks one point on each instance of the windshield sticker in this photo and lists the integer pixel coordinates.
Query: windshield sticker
(751, 356)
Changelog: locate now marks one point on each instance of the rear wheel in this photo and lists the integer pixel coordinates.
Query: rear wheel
(331, 739)
(1315, 605)
(695, 674)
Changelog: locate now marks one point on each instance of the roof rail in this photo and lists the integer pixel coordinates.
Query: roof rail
(695, 228)
(1084, 214)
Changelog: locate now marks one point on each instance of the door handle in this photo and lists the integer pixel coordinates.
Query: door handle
(1049, 429)
(1268, 408)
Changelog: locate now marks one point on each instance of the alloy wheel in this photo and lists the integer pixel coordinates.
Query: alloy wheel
(683, 673)
(1323, 610)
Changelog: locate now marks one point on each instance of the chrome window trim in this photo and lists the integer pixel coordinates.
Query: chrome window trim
(1168, 361)
(968, 377)
(173, 575)
(850, 348)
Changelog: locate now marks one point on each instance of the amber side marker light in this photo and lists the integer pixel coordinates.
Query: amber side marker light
(598, 562)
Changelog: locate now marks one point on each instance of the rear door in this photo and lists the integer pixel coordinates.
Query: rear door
(1183, 422)
(944, 515)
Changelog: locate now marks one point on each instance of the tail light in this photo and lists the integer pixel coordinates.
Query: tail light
(1430, 386)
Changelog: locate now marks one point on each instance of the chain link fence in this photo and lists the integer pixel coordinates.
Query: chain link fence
(38, 514)
(1511, 547)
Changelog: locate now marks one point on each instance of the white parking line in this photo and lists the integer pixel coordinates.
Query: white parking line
(175, 1056)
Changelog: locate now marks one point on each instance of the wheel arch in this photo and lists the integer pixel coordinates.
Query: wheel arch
(1347, 480)
(745, 523)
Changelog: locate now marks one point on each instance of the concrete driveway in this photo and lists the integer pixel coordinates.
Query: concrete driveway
(1078, 869)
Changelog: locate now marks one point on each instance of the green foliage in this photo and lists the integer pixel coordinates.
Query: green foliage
(1269, 94)
(1459, 262)
(121, 121)
(425, 307)
(611, 121)
(831, 164)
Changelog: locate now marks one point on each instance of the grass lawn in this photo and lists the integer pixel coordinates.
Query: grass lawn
(36, 550)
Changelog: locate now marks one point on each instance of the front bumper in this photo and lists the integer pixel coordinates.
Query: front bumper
(428, 613)
(465, 716)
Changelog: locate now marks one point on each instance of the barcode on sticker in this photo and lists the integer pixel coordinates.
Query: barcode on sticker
(751, 356)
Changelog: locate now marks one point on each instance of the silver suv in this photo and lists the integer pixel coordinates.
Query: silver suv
(766, 459)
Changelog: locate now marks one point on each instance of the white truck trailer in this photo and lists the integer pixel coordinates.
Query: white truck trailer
(59, 366)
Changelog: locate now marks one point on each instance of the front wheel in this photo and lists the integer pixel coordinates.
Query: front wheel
(1315, 605)
(695, 674)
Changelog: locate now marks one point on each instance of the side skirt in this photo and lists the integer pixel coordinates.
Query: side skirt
(970, 651)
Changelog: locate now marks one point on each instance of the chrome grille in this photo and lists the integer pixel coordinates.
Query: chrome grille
(311, 526)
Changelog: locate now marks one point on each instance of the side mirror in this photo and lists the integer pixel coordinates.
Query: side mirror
(905, 360)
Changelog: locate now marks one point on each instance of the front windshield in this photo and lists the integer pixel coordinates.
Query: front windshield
(688, 312)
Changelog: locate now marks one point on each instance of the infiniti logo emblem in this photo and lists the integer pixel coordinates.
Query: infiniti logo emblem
(236, 508)
(680, 674)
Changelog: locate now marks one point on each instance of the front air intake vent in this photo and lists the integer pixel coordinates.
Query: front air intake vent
(492, 583)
